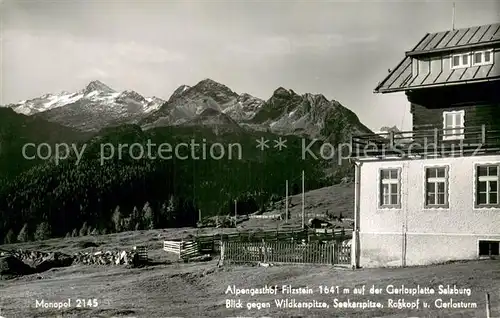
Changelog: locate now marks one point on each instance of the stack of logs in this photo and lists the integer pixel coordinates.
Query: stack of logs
(87, 258)
(30, 256)
(107, 258)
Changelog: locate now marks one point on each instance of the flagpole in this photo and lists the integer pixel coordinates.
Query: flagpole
(453, 18)
(303, 200)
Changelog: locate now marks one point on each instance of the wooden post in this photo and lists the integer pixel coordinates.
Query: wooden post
(222, 253)
(483, 134)
(181, 245)
(335, 252)
(352, 143)
(488, 305)
(264, 250)
(213, 242)
(235, 212)
(199, 215)
(391, 139)
(286, 202)
(303, 200)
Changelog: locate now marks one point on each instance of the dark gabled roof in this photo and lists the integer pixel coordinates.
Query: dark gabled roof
(401, 79)
(465, 38)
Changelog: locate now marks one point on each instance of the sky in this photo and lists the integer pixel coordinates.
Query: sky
(338, 49)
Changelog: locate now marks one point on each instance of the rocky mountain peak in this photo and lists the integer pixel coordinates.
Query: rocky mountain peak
(246, 96)
(307, 114)
(132, 95)
(179, 91)
(282, 92)
(209, 82)
(99, 86)
(220, 92)
(316, 98)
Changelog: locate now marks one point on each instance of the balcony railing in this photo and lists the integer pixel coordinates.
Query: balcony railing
(432, 143)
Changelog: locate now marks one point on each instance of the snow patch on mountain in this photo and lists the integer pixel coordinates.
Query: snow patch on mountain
(95, 92)
(44, 103)
(153, 104)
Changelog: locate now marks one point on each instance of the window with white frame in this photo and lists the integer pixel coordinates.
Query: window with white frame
(487, 185)
(482, 57)
(460, 60)
(453, 125)
(436, 187)
(390, 188)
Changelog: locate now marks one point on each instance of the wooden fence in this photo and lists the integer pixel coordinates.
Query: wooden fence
(142, 251)
(185, 249)
(329, 253)
(211, 243)
(276, 216)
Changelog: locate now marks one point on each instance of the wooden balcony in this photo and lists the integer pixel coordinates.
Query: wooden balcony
(427, 143)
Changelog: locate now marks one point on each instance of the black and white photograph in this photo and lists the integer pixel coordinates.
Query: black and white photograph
(249, 158)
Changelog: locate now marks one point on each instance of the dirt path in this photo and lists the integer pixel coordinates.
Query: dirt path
(198, 290)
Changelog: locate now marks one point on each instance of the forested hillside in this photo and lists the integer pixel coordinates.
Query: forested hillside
(17, 130)
(126, 194)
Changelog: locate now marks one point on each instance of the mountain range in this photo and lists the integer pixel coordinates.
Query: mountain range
(207, 103)
(72, 194)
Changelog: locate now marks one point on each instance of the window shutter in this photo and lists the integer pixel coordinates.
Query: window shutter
(448, 120)
(448, 123)
(453, 123)
(458, 120)
(458, 123)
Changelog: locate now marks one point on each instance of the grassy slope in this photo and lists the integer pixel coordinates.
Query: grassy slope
(197, 290)
(338, 199)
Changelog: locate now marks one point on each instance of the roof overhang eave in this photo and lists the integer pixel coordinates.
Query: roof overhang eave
(401, 89)
(491, 44)
(389, 90)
